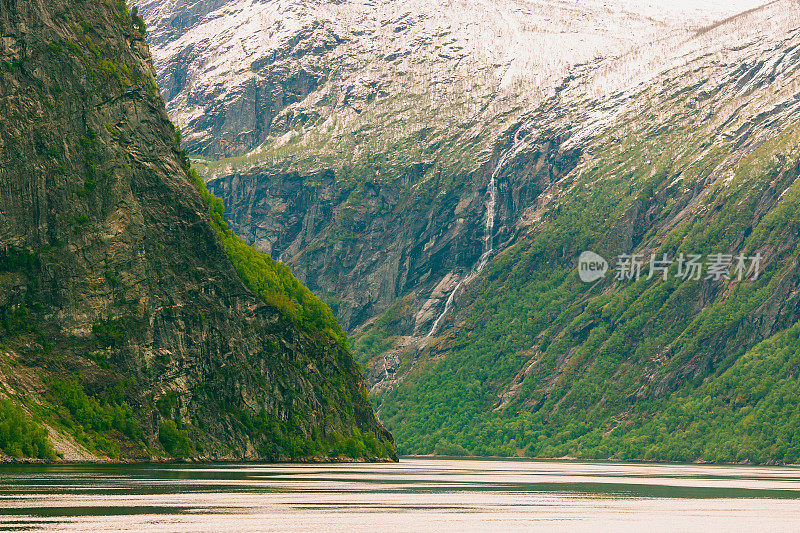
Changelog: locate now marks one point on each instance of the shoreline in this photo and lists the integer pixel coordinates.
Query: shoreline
(13, 461)
(571, 459)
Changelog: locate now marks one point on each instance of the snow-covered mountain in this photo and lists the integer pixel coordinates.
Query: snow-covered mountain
(361, 142)
(434, 170)
(258, 76)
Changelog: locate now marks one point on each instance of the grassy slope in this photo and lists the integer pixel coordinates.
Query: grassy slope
(648, 370)
(273, 282)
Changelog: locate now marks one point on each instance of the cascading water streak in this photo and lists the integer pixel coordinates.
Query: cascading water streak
(447, 305)
(488, 231)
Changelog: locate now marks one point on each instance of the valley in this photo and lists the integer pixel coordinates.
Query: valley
(435, 183)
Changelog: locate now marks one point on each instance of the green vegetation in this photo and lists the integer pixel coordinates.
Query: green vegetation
(98, 422)
(273, 282)
(138, 21)
(13, 259)
(16, 316)
(100, 358)
(282, 441)
(175, 440)
(109, 333)
(177, 135)
(381, 336)
(20, 435)
(749, 412)
(546, 366)
(128, 13)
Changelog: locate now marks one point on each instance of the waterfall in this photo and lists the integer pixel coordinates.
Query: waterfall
(488, 231)
(448, 304)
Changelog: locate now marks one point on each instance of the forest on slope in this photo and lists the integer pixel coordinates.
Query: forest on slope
(536, 362)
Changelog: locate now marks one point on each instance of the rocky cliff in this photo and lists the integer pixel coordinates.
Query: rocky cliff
(126, 330)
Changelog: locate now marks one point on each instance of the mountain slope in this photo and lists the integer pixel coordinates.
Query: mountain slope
(370, 181)
(704, 160)
(370, 119)
(126, 331)
(446, 237)
(323, 75)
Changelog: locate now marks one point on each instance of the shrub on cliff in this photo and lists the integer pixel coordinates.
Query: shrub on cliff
(272, 281)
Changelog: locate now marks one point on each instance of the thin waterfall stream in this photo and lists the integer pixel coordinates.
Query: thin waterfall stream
(488, 232)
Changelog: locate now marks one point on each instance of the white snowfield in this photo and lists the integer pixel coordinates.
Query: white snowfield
(388, 70)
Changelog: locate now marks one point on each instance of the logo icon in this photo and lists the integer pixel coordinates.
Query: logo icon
(591, 267)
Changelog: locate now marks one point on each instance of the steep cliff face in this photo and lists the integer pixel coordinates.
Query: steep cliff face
(363, 135)
(390, 238)
(126, 328)
(366, 244)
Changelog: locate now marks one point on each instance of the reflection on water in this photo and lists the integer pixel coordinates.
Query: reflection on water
(414, 495)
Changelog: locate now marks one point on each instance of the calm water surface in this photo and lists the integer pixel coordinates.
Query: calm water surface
(414, 495)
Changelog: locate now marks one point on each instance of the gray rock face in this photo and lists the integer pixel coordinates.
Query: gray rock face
(240, 76)
(106, 244)
(230, 117)
(366, 246)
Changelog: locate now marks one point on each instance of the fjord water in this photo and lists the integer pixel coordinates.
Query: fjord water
(414, 495)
